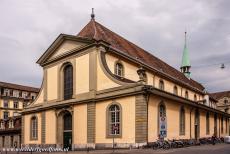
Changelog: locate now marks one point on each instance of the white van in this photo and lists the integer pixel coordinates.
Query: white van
(227, 139)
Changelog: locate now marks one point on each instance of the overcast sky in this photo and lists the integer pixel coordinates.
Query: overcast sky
(28, 27)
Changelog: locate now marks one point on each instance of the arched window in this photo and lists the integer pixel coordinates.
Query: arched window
(34, 128)
(195, 98)
(161, 85)
(175, 90)
(186, 94)
(182, 121)
(114, 123)
(68, 82)
(207, 124)
(119, 69)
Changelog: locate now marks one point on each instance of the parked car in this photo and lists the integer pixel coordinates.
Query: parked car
(227, 139)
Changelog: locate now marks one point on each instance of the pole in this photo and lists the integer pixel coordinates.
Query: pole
(113, 144)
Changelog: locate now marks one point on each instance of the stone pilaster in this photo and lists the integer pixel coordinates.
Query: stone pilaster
(141, 117)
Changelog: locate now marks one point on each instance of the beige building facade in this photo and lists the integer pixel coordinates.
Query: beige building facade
(97, 86)
(13, 98)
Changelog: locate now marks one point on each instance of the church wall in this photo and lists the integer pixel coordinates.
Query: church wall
(130, 70)
(40, 97)
(52, 82)
(103, 82)
(173, 116)
(82, 74)
(128, 121)
(80, 124)
(27, 131)
(50, 125)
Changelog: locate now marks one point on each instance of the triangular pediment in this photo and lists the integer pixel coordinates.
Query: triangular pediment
(63, 45)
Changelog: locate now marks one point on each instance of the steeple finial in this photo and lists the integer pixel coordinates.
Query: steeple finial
(92, 14)
(185, 66)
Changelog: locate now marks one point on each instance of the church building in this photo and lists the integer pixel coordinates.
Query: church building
(99, 87)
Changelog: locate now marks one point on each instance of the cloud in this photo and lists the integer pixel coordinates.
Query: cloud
(28, 28)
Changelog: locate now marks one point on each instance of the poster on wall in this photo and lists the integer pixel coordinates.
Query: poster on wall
(163, 127)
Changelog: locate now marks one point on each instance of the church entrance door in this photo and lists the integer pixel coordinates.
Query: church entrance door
(67, 131)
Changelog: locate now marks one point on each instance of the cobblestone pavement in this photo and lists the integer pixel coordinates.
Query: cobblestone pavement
(203, 149)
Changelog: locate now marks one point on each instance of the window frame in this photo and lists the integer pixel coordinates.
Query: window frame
(161, 85)
(4, 115)
(34, 131)
(108, 121)
(186, 95)
(68, 81)
(117, 69)
(5, 101)
(175, 90)
(182, 121)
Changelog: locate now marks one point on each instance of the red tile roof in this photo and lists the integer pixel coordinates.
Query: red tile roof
(19, 87)
(94, 30)
(219, 95)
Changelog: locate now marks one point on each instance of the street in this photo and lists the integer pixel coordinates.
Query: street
(203, 149)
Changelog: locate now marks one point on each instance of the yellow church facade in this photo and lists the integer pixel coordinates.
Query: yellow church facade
(99, 87)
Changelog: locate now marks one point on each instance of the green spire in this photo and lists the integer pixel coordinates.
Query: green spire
(185, 65)
(185, 58)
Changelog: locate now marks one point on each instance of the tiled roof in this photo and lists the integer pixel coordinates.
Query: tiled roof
(219, 95)
(94, 30)
(19, 87)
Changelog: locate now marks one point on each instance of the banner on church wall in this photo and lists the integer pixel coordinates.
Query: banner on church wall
(163, 127)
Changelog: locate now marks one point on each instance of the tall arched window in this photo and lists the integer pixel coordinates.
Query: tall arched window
(34, 128)
(182, 121)
(68, 82)
(119, 69)
(114, 123)
(175, 90)
(207, 124)
(161, 85)
(186, 94)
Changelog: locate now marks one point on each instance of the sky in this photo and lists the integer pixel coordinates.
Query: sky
(28, 27)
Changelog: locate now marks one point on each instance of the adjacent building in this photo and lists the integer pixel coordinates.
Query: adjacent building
(223, 100)
(99, 87)
(13, 98)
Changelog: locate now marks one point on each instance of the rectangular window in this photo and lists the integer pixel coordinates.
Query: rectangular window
(5, 103)
(24, 94)
(5, 115)
(16, 93)
(6, 92)
(15, 104)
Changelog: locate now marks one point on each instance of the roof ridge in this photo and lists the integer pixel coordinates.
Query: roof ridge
(5, 84)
